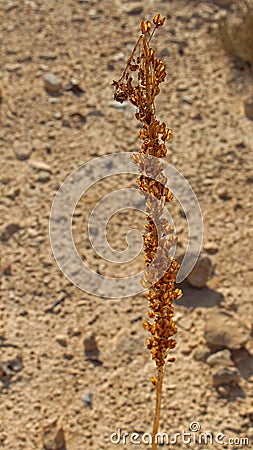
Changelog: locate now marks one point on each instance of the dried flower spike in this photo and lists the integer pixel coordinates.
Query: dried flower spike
(139, 85)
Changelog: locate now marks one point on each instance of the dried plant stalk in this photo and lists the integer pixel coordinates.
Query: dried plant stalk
(140, 84)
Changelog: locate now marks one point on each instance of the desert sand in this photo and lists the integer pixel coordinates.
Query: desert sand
(74, 368)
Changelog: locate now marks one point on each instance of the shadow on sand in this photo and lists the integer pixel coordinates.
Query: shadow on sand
(194, 297)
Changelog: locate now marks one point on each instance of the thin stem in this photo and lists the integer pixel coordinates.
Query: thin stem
(131, 57)
(157, 407)
(151, 34)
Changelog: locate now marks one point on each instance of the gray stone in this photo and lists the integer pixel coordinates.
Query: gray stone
(40, 165)
(61, 339)
(221, 357)
(5, 268)
(93, 14)
(48, 56)
(248, 108)
(250, 432)
(22, 150)
(226, 375)
(8, 368)
(43, 176)
(8, 231)
(211, 248)
(185, 323)
(202, 272)
(223, 193)
(134, 11)
(224, 330)
(52, 83)
(201, 353)
(58, 115)
(13, 193)
(12, 67)
(96, 113)
(87, 399)
(164, 52)
(224, 390)
(43, 67)
(90, 347)
(53, 436)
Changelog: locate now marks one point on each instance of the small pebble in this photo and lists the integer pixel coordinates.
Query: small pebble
(96, 113)
(69, 356)
(13, 193)
(22, 150)
(248, 108)
(40, 165)
(61, 339)
(74, 331)
(135, 10)
(53, 437)
(92, 14)
(185, 323)
(187, 100)
(5, 268)
(66, 123)
(201, 353)
(211, 248)
(48, 56)
(250, 432)
(53, 100)
(43, 67)
(224, 391)
(8, 231)
(224, 356)
(58, 115)
(90, 347)
(43, 176)
(87, 399)
(52, 83)
(223, 193)
(224, 329)
(164, 52)
(201, 273)
(12, 67)
(226, 375)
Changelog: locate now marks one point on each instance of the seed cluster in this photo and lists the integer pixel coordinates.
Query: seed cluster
(140, 84)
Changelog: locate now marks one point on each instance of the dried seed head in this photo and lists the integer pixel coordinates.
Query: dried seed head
(153, 380)
(140, 85)
(145, 26)
(158, 21)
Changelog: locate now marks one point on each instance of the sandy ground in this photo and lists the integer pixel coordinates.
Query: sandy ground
(46, 323)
